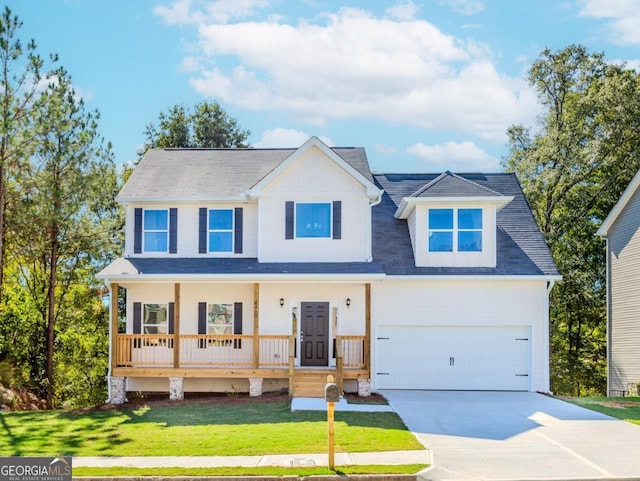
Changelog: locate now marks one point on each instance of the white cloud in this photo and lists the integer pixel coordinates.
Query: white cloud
(403, 11)
(353, 65)
(455, 157)
(465, 7)
(280, 137)
(185, 12)
(385, 149)
(624, 16)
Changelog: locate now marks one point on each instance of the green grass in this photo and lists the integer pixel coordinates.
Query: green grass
(625, 408)
(261, 471)
(250, 428)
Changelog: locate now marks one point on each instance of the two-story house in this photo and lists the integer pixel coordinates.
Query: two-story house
(267, 269)
(621, 229)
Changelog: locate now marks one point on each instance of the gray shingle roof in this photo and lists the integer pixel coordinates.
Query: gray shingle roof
(452, 185)
(201, 174)
(521, 249)
(249, 266)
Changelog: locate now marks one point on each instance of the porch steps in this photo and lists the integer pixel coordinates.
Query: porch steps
(310, 382)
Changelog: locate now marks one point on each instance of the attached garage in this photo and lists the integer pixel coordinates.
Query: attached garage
(453, 357)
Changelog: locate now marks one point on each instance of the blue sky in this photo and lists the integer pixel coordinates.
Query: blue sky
(424, 86)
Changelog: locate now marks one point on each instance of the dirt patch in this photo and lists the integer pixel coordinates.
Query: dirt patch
(619, 404)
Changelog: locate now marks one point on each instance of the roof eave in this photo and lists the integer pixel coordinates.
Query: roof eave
(408, 203)
(626, 196)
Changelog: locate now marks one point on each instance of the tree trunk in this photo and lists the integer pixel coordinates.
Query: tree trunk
(51, 294)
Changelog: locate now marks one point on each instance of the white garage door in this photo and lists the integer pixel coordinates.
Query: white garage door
(456, 358)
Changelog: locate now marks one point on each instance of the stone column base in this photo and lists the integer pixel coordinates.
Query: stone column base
(364, 387)
(118, 390)
(176, 388)
(255, 386)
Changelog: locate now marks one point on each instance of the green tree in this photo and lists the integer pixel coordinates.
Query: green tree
(68, 220)
(573, 167)
(21, 74)
(208, 126)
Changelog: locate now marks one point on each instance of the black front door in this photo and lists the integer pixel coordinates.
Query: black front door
(314, 334)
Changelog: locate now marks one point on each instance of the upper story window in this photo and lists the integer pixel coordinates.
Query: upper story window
(220, 230)
(321, 220)
(455, 230)
(313, 220)
(156, 230)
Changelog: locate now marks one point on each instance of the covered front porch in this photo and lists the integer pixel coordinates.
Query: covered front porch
(321, 336)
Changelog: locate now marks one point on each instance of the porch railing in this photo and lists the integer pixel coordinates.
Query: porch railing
(222, 351)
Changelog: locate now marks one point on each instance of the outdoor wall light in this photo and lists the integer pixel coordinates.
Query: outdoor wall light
(348, 302)
(281, 303)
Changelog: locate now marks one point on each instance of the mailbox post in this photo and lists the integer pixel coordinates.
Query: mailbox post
(332, 396)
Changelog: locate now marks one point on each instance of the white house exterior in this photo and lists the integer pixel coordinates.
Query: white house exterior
(621, 229)
(267, 269)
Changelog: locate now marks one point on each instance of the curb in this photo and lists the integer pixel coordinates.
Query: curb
(329, 477)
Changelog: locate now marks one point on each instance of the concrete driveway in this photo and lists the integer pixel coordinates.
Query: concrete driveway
(516, 436)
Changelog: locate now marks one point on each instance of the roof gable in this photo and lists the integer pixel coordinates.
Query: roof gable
(626, 196)
(448, 184)
(372, 191)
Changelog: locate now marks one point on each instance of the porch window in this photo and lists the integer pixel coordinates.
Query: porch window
(156, 230)
(220, 319)
(155, 320)
(313, 220)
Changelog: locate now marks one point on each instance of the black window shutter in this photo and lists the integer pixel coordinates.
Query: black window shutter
(172, 308)
(289, 220)
(137, 230)
(337, 219)
(202, 233)
(137, 318)
(237, 234)
(202, 323)
(173, 230)
(237, 323)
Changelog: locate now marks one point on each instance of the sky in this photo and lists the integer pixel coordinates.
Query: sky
(422, 85)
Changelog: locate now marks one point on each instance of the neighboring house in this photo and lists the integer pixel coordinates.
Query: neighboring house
(621, 229)
(266, 269)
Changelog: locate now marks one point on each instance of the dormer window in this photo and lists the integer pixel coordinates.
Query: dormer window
(455, 230)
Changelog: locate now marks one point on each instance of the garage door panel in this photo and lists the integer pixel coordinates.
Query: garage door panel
(446, 357)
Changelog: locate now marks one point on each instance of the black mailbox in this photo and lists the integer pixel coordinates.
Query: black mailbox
(331, 393)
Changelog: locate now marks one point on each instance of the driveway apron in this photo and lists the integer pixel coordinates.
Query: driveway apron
(516, 436)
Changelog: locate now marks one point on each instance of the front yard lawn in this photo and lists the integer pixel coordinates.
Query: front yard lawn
(250, 427)
(625, 408)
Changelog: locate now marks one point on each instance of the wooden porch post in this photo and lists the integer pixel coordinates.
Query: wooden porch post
(256, 325)
(292, 356)
(367, 327)
(115, 290)
(339, 365)
(176, 325)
